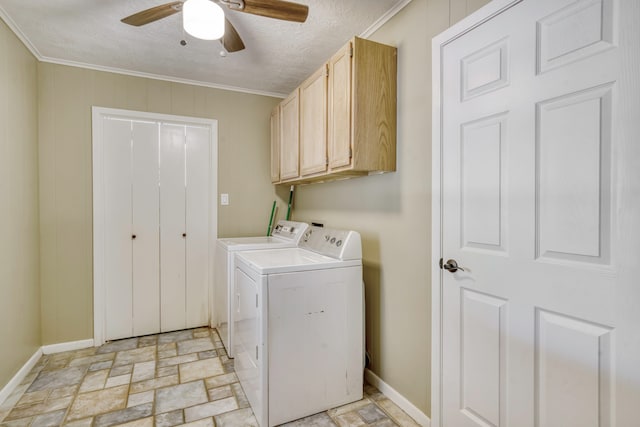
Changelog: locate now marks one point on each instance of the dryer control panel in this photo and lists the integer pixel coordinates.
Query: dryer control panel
(340, 244)
(289, 230)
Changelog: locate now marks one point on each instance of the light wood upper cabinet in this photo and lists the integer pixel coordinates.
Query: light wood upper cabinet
(313, 123)
(347, 122)
(373, 108)
(275, 144)
(289, 137)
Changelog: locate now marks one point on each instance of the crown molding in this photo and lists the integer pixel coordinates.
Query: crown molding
(36, 53)
(384, 19)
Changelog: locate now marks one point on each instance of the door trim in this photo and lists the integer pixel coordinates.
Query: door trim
(99, 305)
(438, 43)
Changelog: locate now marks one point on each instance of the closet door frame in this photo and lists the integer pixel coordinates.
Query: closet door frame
(99, 114)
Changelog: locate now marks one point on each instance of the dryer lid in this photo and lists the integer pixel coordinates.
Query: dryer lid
(285, 234)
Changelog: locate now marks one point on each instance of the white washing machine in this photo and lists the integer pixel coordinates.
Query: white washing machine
(285, 234)
(299, 326)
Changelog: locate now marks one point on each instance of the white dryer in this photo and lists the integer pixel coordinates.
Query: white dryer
(285, 234)
(299, 326)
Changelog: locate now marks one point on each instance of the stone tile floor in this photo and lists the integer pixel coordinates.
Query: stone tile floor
(176, 378)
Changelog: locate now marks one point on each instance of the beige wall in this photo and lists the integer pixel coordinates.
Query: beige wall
(19, 259)
(461, 8)
(66, 97)
(392, 211)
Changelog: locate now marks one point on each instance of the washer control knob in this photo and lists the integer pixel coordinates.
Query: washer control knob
(333, 240)
(339, 243)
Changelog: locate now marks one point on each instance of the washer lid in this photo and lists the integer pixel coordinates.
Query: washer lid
(253, 243)
(289, 260)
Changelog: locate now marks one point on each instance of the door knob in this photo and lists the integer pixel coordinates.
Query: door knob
(451, 266)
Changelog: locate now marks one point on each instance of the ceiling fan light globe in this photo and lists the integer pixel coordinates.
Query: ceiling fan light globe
(203, 19)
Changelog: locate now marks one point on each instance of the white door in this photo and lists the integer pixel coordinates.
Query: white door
(145, 224)
(131, 255)
(197, 202)
(154, 222)
(540, 205)
(172, 227)
(184, 226)
(118, 268)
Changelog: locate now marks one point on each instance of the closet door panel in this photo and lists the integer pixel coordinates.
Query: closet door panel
(172, 227)
(197, 220)
(117, 222)
(146, 265)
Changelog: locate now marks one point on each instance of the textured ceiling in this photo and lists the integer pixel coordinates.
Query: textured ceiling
(279, 55)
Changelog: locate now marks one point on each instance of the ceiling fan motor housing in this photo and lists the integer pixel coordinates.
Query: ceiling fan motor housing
(226, 33)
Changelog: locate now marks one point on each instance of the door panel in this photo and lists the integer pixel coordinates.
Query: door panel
(289, 137)
(313, 123)
(483, 155)
(275, 144)
(197, 226)
(483, 332)
(339, 134)
(172, 227)
(574, 208)
(530, 124)
(590, 24)
(573, 371)
(485, 70)
(145, 220)
(117, 222)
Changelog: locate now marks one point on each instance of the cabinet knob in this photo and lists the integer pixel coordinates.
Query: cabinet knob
(184, 234)
(133, 236)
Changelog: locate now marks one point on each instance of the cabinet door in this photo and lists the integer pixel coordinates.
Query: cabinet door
(197, 226)
(117, 235)
(172, 227)
(145, 220)
(289, 137)
(339, 111)
(313, 123)
(275, 144)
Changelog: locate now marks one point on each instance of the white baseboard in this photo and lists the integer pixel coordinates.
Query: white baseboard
(67, 346)
(19, 376)
(6, 391)
(402, 402)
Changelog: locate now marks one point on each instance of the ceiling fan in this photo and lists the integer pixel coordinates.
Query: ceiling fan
(278, 9)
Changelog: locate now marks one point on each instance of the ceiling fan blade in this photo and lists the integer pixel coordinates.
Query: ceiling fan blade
(231, 39)
(278, 9)
(153, 14)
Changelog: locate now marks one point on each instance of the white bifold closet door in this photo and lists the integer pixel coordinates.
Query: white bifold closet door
(145, 219)
(156, 185)
(184, 155)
